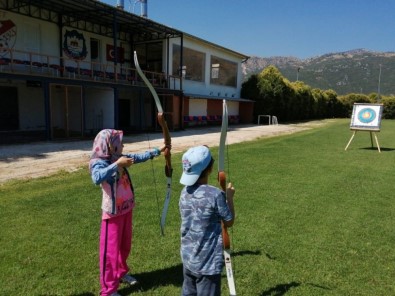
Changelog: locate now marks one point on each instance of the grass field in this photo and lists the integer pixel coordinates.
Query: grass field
(312, 219)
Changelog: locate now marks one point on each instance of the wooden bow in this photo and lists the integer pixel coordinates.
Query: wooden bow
(167, 141)
(222, 182)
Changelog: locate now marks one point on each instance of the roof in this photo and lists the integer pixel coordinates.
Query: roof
(93, 16)
(100, 18)
(243, 56)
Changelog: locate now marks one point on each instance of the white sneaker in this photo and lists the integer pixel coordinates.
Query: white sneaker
(128, 279)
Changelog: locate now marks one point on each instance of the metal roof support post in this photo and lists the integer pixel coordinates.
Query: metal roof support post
(47, 107)
(60, 32)
(116, 108)
(181, 60)
(114, 38)
(83, 104)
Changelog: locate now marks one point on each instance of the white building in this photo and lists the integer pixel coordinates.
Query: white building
(66, 70)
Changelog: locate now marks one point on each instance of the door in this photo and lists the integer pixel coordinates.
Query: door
(95, 54)
(66, 111)
(124, 114)
(9, 110)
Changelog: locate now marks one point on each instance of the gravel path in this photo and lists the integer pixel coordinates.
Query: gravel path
(44, 158)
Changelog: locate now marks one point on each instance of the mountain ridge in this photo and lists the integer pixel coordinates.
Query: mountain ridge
(353, 71)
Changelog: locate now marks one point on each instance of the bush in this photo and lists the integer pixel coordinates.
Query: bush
(275, 95)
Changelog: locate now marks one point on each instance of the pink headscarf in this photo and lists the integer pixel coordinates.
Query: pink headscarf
(101, 146)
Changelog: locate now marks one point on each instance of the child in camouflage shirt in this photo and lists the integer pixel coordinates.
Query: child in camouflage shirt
(202, 208)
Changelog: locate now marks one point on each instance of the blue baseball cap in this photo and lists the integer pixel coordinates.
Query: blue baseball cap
(194, 162)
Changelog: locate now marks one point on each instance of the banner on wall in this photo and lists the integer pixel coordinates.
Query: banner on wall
(366, 117)
(110, 54)
(8, 34)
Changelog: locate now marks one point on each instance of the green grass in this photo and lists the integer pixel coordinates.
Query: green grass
(312, 219)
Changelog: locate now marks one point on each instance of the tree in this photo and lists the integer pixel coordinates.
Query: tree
(274, 93)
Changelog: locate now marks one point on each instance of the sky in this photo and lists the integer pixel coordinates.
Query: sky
(266, 28)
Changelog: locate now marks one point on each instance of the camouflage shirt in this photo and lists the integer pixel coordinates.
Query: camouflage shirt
(202, 207)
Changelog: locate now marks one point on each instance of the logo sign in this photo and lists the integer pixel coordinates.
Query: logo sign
(74, 45)
(110, 53)
(366, 117)
(7, 36)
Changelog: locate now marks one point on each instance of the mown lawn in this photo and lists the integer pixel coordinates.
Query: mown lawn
(312, 219)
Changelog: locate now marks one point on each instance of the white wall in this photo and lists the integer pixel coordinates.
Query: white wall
(33, 35)
(233, 107)
(197, 107)
(99, 108)
(31, 107)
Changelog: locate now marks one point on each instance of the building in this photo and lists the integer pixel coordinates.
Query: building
(67, 71)
(210, 74)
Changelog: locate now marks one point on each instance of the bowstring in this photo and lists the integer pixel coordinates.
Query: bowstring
(155, 181)
(229, 180)
(152, 167)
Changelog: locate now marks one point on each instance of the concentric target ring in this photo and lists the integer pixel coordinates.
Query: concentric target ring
(366, 115)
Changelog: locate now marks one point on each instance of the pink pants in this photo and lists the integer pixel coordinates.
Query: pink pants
(115, 246)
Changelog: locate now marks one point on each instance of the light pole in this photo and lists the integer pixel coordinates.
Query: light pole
(378, 90)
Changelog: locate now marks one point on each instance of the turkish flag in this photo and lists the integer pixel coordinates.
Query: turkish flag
(110, 53)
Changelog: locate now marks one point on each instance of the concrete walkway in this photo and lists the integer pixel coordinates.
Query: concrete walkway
(45, 158)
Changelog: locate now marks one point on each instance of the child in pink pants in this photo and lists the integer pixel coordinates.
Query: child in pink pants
(107, 167)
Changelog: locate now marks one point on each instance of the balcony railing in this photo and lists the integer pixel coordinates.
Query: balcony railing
(30, 63)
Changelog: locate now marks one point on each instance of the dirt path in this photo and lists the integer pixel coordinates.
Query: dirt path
(44, 158)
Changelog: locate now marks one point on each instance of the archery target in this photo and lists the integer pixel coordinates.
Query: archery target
(366, 116)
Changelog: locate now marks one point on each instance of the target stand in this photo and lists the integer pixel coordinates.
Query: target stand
(371, 140)
(366, 117)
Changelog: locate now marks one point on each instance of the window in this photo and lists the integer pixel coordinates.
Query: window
(154, 57)
(150, 56)
(94, 49)
(193, 68)
(223, 72)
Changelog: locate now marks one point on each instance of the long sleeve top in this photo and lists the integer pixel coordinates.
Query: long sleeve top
(116, 184)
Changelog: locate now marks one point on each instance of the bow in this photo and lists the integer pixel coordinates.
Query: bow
(167, 141)
(222, 182)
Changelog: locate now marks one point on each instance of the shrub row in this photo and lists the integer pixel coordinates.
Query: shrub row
(295, 101)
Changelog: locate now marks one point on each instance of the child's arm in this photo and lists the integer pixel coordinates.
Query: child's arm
(102, 171)
(142, 157)
(230, 191)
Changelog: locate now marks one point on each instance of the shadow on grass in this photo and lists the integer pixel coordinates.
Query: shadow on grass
(171, 276)
(381, 148)
(281, 289)
(256, 253)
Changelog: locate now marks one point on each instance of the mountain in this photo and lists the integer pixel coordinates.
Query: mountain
(354, 71)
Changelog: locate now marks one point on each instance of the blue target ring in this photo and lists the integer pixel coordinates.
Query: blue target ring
(366, 115)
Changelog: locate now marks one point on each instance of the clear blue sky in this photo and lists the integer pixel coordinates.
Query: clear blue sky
(264, 28)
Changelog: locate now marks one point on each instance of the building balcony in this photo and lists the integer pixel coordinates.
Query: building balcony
(34, 64)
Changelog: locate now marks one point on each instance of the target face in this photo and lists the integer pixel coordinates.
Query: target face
(366, 116)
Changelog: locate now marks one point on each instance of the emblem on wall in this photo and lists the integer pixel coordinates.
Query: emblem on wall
(74, 45)
(7, 36)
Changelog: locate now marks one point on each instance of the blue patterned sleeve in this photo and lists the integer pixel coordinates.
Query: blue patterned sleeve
(102, 171)
(223, 208)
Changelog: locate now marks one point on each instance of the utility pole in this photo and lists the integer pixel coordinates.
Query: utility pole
(378, 90)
